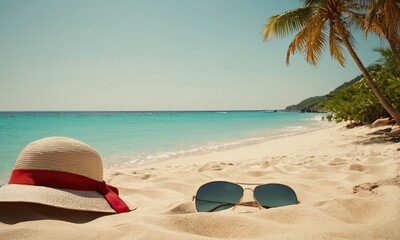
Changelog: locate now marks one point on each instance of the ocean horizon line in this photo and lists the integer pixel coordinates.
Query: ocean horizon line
(161, 111)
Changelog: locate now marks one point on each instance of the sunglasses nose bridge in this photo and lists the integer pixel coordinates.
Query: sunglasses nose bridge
(254, 198)
(244, 189)
(250, 189)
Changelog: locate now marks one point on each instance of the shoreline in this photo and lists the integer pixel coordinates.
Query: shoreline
(347, 181)
(123, 140)
(132, 162)
(242, 152)
(171, 156)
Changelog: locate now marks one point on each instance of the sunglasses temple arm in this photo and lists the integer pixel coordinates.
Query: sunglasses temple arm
(258, 204)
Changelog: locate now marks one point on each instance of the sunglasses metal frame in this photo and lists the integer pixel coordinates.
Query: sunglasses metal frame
(254, 203)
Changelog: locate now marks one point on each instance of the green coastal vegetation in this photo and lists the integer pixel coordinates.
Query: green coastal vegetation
(372, 95)
(354, 100)
(317, 103)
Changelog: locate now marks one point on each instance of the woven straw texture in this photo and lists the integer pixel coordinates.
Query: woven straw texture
(62, 198)
(66, 155)
(61, 154)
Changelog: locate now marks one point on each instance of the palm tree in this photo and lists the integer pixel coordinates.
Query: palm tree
(383, 18)
(320, 22)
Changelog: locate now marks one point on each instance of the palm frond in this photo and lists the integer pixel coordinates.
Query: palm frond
(310, 41)
(365, 3)
(377, 28)
(392, 18)
(355, 20)
(374, 7)
(298, 44)
(387, 14)
(336, 46)
(358, 5)
(308, 3)
(317, 40)
(283, 24)
(347, 34)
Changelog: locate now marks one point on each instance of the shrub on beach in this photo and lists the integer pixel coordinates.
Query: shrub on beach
(358, 103)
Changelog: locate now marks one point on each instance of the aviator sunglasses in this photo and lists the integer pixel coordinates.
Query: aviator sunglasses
(220, 195)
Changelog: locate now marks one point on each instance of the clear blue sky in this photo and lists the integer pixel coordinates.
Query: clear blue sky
(155, 55)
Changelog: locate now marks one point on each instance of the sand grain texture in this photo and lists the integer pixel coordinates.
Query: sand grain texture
(347, 181)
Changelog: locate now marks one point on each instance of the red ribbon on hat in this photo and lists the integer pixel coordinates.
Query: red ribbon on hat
(64, 180)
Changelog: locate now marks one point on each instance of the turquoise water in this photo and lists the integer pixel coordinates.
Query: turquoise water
(131, 138)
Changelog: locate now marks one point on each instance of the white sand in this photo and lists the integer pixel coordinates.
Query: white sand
(323, 167)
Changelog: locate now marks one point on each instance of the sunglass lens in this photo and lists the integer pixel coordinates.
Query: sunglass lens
(217, 196)
(275, 195)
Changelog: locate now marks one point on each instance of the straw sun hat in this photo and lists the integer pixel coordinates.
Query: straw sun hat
(65, 173)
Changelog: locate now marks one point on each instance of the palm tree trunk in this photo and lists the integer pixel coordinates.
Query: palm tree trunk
(385, 103)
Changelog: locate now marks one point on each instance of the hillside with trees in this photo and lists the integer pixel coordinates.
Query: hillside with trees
(313, 104)
(354, 100)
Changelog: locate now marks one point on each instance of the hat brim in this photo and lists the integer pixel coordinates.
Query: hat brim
(62, 198)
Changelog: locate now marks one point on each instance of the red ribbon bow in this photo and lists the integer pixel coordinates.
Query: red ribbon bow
(64, 180)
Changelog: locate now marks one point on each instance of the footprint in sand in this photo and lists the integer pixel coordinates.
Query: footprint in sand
(395, 181)
(210, 167)
(337, 161)
(256, 173)
(116, 173)
(143, 176)
(365, 187)
(357, 167)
